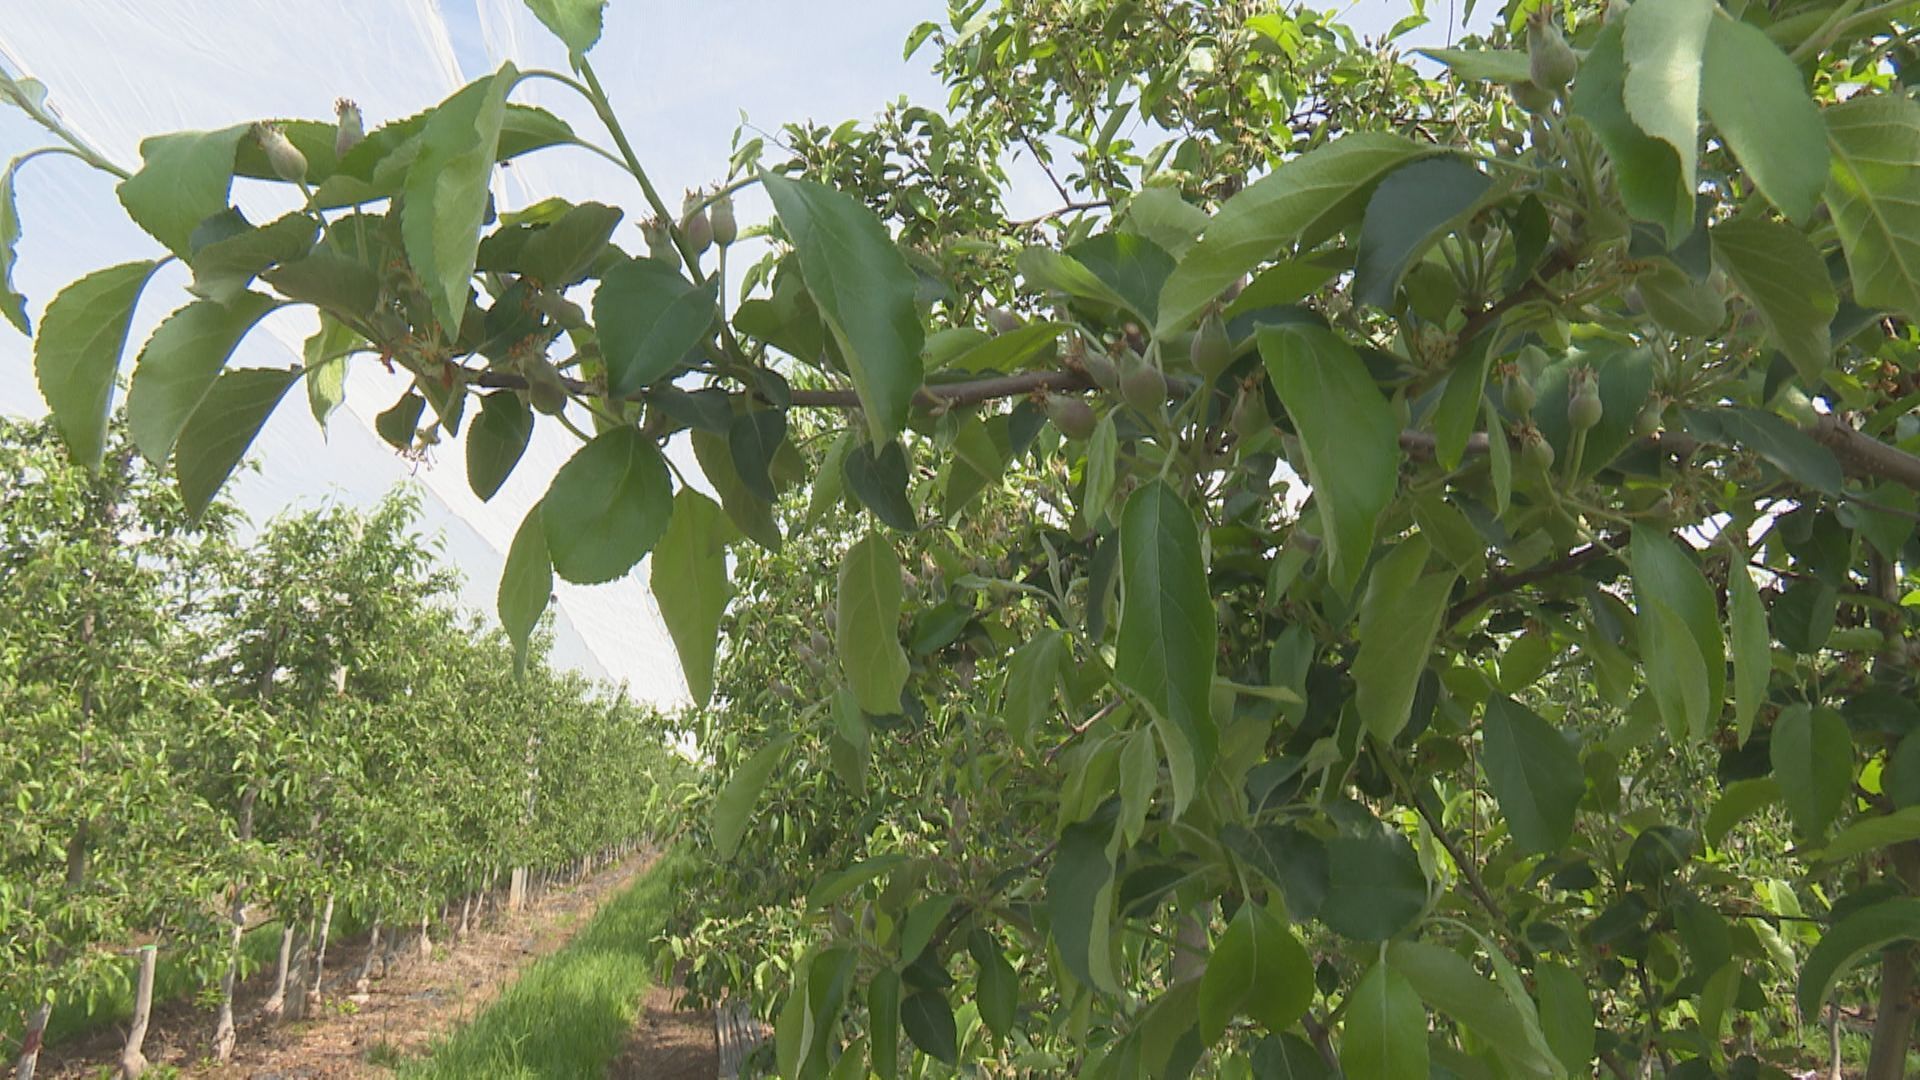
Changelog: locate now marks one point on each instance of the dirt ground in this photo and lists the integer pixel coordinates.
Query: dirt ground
(419, 1001)
(668, 1043)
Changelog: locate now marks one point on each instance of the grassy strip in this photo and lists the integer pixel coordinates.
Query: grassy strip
(568, 1015)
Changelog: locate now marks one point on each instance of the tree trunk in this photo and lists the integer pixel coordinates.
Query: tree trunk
(320, 953)
(133, 1061)
(302, 952)
(1893, 1027)
(224, 1036)
(426, 939)
(31, 1040)
(363, 982)
(466, 914)
(517, 889)
(277, 1001)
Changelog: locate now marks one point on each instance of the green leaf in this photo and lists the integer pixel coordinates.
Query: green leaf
(1385, 1034)
(1566, 1016)
(1665, 578)
(1348, 431)
(865, 291)
(496, 440)
(607, 507)
(1304, 200)
(734, 806)
(879, 480)
(563, 253)
(690, 585)
(526, 585)
(224, 267)
(1449, 984)
(326, 355)
(1410, 210)
(1139, 779)
(1399, 619)
(1740, 800)
(928, 1020)
(1080, 903)
(1499, 458)
(1132, 267)
(1010, 351)
(1032, 677)
(883, 1016)
(1168, 640)
(1647, 170)
(1535, 774)
(648, 318)
(1288, 1057)
(222, 428)
(753, 438)
(1375, 887)
(916, 930)
(183, 180)
(575, 22)
(179, 363)
(1675, 670)
(750, 513)
(1872, 834)
(1459, 408)
(1490, 65)
(1812, 753)
(1103, 458)
(1164, 217)
(1257, 968)
(868, 625)
(1874, 194)
(1758, 100)
(399, 424)
(1849, 940)
(78, 351)
(981, 454)
(1665, 43)
(1752, 648)
(12, 305)
(998, 996)
(1782, 273)
(445, 194)
(1783, 445)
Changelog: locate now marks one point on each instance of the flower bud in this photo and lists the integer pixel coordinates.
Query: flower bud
(1583, 400)
(1517, 393)
(288, 162)
(1212, 350)
(1650, 415)
(720, 216)
(352, 128)
(1143, 387)
(1551, 62)
(1071, 415)
(1251, 423)
(659, 240)
(1535, 450)
(695, 225)
(1102, 370)
(1530, 97)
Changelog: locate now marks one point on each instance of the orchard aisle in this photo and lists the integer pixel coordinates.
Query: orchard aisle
(417, 1003)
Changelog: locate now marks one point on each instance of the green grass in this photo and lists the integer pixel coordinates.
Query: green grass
(568, 1015)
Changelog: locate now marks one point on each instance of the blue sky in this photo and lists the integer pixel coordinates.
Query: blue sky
(682, 73)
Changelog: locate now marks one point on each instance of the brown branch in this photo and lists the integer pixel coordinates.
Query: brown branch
(1499, 584)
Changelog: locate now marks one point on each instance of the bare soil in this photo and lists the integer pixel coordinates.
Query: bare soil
(668, 1043)
(419, 1001)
